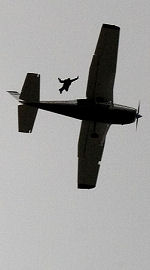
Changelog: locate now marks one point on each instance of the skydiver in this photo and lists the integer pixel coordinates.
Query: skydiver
(66, 83)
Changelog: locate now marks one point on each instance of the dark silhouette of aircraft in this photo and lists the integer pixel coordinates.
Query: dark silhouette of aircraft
(66, 83)
(97, 112)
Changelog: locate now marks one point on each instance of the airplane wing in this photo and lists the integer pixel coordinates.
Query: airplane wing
(90, 152)
(103, 66)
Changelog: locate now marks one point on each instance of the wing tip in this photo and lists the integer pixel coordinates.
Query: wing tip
(32, 74)
(85, 186)
(111, 26)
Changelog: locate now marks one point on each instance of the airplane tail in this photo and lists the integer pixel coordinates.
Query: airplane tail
(30, 94)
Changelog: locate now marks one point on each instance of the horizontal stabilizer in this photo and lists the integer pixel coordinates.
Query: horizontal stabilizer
(30, 93)
(14, 94)
(31, 88)
(26, 118)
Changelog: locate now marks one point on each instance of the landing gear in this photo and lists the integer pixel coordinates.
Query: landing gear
(94, 134)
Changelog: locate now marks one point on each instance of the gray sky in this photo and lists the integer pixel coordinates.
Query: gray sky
(45, 221)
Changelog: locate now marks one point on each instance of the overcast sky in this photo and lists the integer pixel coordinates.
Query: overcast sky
(45, 221)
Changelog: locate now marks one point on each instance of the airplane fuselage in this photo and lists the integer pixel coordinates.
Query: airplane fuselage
(86, 109)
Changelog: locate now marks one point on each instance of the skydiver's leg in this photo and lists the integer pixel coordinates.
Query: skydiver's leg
(61, 89)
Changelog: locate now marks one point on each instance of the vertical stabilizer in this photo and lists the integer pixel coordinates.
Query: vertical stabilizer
(14, 94)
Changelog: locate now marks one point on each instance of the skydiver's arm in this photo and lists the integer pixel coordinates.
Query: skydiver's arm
(75, 79)
(61, 81)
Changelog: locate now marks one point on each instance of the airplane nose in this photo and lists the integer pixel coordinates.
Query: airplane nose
(138, 115)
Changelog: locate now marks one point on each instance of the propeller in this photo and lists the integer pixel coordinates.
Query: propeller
(138, 115)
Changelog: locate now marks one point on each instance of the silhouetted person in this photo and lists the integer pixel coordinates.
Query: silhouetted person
(66, 83)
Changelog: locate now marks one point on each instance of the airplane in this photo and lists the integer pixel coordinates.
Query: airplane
(97, 111)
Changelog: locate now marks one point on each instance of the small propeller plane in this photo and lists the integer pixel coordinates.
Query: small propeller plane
(97, 112)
